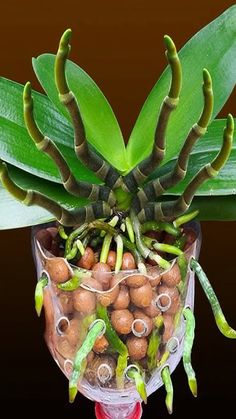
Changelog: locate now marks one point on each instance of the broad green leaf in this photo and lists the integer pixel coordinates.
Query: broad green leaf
(102, 129)
(203, 153)
(16, 146)
(214, 48)
(14, 214)
(210, 207)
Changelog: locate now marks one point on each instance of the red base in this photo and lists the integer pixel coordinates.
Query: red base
(136, 414)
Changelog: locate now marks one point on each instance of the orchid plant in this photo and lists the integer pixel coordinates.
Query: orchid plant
(63, 158)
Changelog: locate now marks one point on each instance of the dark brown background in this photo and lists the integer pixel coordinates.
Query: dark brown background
(119, 43)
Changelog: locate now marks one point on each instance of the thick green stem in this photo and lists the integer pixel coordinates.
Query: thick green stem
(93, 161)
(138, 175)
(167, 210)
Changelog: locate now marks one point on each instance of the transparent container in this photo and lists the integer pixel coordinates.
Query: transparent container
(143, 296)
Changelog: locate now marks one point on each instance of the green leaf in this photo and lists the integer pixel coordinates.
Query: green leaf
(214, 48)
(14, 214)
(102, 129)
(16, 146)
(203, 153)
(210, 208)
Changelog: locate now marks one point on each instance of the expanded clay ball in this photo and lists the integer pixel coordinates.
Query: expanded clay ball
(87, 260)
(101, 274)
(122, 321)
(152, 310)
(84, 301)
(136, 281)
(111, 259)
(142, 296)
(128, 262)
(137, 347)
(45, 238)
(123, 299)
(57, 269)
(172, 277)
(108, 297)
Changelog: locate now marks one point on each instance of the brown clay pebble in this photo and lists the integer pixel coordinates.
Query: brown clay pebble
(72, 332)
(91, 372)
(191, 237)
(137, 347)
(172, 277)
(93, 283)
(101, 344)
(64, 348)
(101, 274)
(142, 296)
(109, 297)
(136, 281)
(123, 299)
(171, 297)
(66, 302)
(87, 260)
(44, 238)
(128, 262)
(152, 310)
(48, 308)
(169, 327)
(111, 259)
(84, 301)
(154, 276)
(57, 269)
(53, 231)
(139, 326)
(90, 357)
(122, 321)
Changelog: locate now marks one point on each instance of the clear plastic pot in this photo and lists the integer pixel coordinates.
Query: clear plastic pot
(148, 294)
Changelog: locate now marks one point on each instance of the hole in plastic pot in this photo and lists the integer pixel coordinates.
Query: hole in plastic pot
(68, 366)
(104, 373)
(158, 302)
(143, 330)
(173, 344)
(61, 325)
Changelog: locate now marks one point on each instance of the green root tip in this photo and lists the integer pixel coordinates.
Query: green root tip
(27, 92)
(169, 45)
(207, 78)
(230, 124)
(72, 393)
(65, 39)
(38, 307)
(169, 404)
(224, 328)
(192, 382)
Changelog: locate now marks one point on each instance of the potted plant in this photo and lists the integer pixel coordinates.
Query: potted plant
(114, 271)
